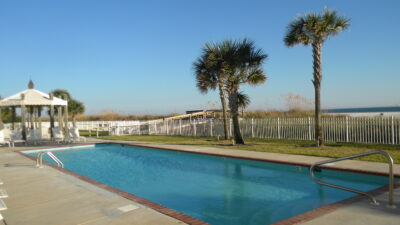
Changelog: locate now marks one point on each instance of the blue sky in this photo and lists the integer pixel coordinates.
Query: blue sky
(136, 56)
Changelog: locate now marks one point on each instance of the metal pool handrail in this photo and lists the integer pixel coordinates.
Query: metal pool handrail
(373, 200)
(39, 159)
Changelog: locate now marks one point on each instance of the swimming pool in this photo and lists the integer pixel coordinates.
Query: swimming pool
(217, 190)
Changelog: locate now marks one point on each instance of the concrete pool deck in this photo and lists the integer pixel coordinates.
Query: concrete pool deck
(49, 196)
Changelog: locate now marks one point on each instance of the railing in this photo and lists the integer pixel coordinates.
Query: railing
(372, 198)
(39, 159)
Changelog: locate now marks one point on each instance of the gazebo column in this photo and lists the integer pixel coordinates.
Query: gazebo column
(14, 117)
(35, 118)
(66, 121)
(1, 121)
(31, 117)
(51, 117)
(23, 117)
(39, 118)
(60, 117)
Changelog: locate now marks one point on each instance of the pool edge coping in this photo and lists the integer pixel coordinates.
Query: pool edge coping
(303, 217)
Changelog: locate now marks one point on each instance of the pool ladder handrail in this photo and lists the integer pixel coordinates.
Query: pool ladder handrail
(39, 159)
(372, 198)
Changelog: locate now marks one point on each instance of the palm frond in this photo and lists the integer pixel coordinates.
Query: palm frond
(295, 33)
(256, 77)
(315, 27)
(243, 99)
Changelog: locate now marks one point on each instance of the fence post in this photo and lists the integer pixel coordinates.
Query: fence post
(180, 126)
(166, 126)
(279, 129)
(211, 127)
(139, 129)
(194, 129)
(252, 127)
(148, 127)
(155, 128)
(309, 129)
(347, 129)
(392, 130)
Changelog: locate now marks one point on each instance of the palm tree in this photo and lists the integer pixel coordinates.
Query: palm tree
(243, 101)
(75, 108)
(243, 64)
(61, 93)
(210, 76)
(314, 29)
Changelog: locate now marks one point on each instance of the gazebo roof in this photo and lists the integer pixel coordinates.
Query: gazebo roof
(32, 97)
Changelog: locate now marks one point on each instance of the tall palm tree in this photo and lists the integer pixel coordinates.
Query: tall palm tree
(210, 76)
(243, 64)
(314, 29)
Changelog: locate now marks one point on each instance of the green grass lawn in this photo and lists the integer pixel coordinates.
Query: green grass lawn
(333, 150)
(85, 133)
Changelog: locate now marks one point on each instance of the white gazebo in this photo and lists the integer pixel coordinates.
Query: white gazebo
(34, 100)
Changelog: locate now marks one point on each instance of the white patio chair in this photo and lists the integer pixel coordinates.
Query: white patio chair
(45, 134)
(58, 135)
(3, 139)
(74, 135)
(34, 136)
(16, 137)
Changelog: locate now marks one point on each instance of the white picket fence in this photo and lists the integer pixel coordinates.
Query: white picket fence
(371, 130)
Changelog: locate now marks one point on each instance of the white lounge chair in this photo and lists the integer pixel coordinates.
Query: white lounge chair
(74, 135)
(45, 134)
(34, 136)
(3, 139)
(16, 137)
(58, 135)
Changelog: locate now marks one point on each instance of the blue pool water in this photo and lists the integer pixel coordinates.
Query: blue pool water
(218, 190)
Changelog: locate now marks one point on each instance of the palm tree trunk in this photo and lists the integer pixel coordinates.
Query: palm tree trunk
(317, 47)
(224, 110)
(234, 106)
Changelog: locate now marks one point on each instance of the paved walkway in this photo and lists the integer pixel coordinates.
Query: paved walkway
(48, 196)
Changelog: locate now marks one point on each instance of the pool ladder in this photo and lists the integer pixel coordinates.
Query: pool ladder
(372, 198)
(39, 159)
